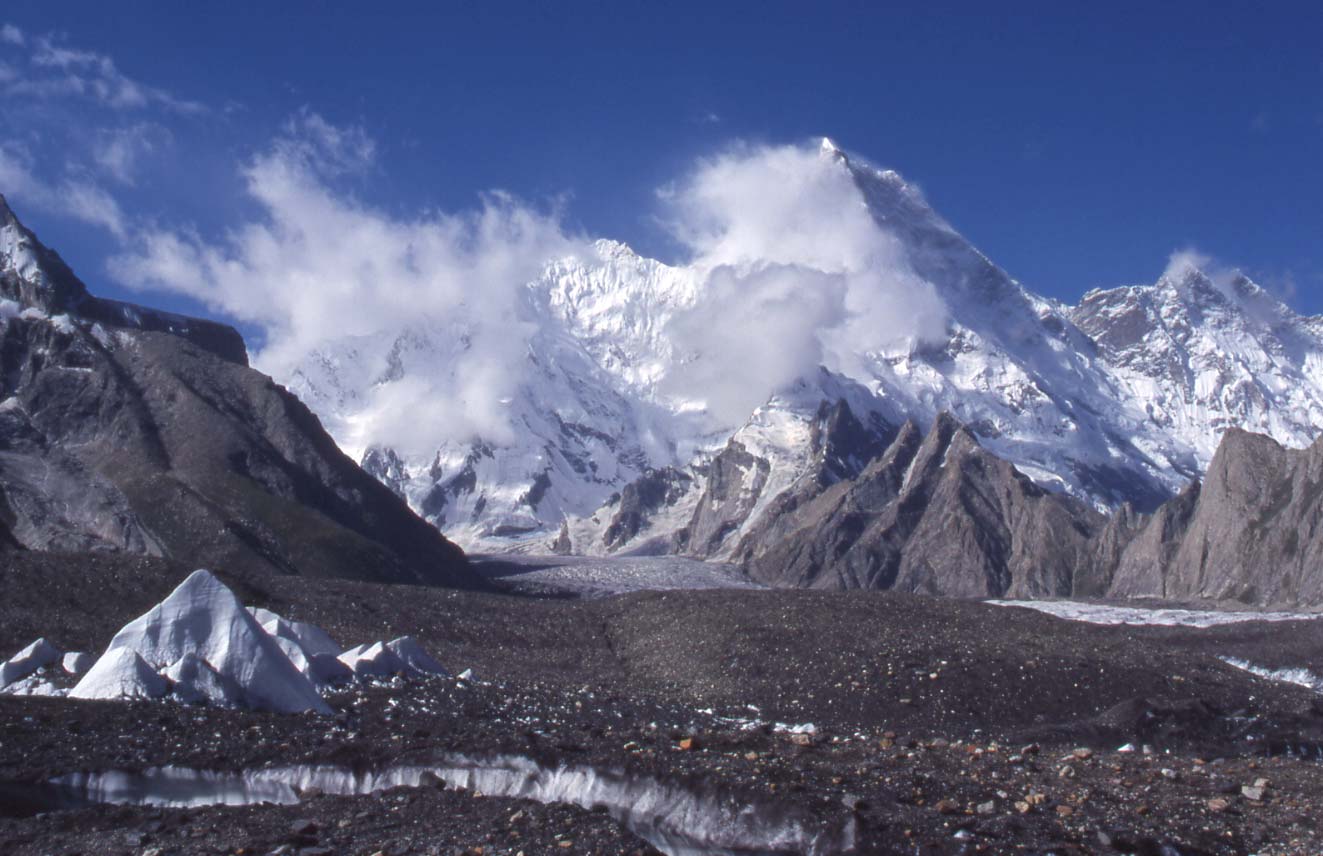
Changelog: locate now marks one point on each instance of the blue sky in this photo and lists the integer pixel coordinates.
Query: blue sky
(1077, 147)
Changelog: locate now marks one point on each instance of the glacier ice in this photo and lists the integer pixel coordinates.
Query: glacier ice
(678, 820)
(121, 673)
(194, 681)
(37, 655)
(204, 618)
(77, 663)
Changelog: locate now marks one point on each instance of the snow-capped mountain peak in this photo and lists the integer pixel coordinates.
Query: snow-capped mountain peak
(1121, 398)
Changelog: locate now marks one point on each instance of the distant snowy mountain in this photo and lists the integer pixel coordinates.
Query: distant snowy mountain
(1120, 399)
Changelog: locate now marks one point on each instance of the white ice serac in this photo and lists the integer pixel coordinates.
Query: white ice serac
(228, 650)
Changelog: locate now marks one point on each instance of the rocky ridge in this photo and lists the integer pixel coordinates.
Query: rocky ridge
(126, 429)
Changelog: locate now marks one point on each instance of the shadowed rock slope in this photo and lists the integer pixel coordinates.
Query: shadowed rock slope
(129, 430)
(1251, 532)
(938, 514)
(935, 514)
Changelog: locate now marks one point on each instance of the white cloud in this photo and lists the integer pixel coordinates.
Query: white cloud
(118, 151)
(798, 274)
(318, 266)
(79, 198)
(53, 70)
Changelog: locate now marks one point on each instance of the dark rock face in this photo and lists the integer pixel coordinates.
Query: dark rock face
(937, 515)
(55, 290)
(840, 446)
(735, 482)
(124, 429)
(640, 499)
(1251, 532)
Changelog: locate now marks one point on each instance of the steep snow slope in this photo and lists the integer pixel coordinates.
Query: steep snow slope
(1120, 399)
(588, 419)
(1203, 355)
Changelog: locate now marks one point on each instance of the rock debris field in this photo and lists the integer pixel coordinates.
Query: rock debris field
(686, 721)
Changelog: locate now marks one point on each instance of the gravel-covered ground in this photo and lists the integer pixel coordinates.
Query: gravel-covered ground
(939, 726)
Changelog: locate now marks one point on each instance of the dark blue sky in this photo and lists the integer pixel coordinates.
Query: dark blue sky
(1077, 147)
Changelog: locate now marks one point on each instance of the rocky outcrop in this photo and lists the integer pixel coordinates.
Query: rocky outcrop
(938, 515)
(1252, 532)
(640, 500)
(125, 429)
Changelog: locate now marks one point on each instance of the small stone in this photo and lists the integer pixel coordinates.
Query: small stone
(988, 807)
(565, 845)
(1218, 804)
(801, 739)
(1065, 810)
(1260, 783)
(303, 826)
(517, 816)
(1036, 799)
(751, 756)
(689, 744)
(1083, 753)
(1250, 792)
(947, 807)
(1022, 806)
(1169, 774)
(1066, 772)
